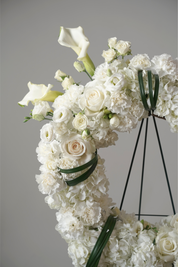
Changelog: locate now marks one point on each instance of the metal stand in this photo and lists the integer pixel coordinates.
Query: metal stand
(143, 166)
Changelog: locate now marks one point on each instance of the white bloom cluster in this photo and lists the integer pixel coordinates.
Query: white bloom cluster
(85, 118)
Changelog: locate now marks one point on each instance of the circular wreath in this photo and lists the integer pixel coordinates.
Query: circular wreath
(86, 118)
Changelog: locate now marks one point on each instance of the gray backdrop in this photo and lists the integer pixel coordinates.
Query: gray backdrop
(30, 52)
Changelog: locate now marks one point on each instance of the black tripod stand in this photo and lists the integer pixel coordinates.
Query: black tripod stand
(153, 100)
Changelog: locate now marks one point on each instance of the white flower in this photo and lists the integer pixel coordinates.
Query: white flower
(101, 72)
(123, 47)
(48, 183)
(41, 108)
(112, 42)
(116, 82)
(62, 114)
(60, 75)
(114, 122)
(68, 225)
(109, 55)
(164, 65)
(76, 148)
(36, 92)
(140, 61)
(93, 99)
(68, 81)
(80, 122)
(75, 39)
(90, 212)
(174, 222)
(167, 245)
(78, 252)
(70, 98)
(47, 133)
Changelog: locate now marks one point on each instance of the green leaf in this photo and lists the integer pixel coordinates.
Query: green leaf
(156, 88)
(150, 90)
(82, 167)
(142, 90)
(82, 177)
(101, 242)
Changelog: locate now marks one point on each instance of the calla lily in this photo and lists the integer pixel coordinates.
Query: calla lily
(75, 39)
(39, 92)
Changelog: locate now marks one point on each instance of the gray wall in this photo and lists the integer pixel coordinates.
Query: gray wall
(30, 52)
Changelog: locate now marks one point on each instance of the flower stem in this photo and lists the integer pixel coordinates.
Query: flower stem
(88, 75)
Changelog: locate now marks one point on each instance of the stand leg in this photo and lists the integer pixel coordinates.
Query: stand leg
(128, 176)
(160, 147)
(143, 166)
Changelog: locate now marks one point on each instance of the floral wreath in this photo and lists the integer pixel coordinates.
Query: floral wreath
(86, 118)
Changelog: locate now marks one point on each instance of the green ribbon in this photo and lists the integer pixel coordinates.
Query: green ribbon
(101, 242)
(84, 176)
(153, 99)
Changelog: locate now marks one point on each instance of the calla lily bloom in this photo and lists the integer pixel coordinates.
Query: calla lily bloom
(39, 92)
(75, 39)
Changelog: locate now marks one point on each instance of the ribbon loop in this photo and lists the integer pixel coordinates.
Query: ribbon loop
(153, 99)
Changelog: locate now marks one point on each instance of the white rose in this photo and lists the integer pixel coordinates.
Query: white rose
(80, 122)
(123, 47)
(140, 61)
(166, 244)
(76, 148)
(109, 55)
(47, 133)
(60, 75)
(114, 122)
(62, 114)
(93, 98)
(67, 82)
(112, 42)
(115, 82)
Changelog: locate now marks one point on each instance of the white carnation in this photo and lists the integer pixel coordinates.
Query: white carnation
(140, 61)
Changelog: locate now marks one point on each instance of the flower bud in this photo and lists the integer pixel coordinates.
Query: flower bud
(67, 82)
(79, 66)
(85, 133)
(109, 72)
(38, 117)
(60, 75)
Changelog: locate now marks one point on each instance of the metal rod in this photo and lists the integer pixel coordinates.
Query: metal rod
(128, 176)
(156, 215)
(143, 167)
(160, 147)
